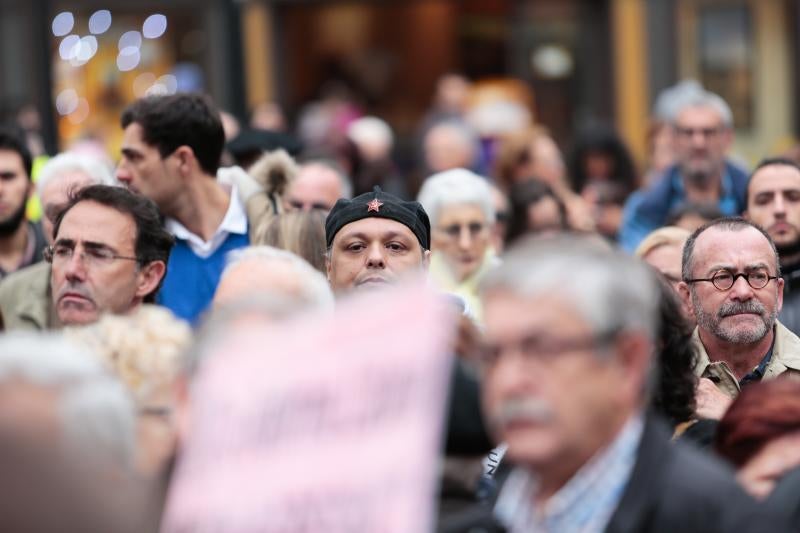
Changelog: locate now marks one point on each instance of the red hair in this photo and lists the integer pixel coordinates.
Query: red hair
(762, 412)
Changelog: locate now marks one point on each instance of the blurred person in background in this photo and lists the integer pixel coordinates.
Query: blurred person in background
(25, 295)
(302, 233)
(449, 101)
(368, 154)
(703, 129)
(738, 338)
(760, 436)
(535, 208)
(267, 271)
(145, 350)
(663, 250)
(773, 202)
(533, 155)
(691, 216)
(459, 204)
(268, 116)
(21, 241)
(109, 254)
(586, 455)
(448, 145)
(602, 171)
(67, 432)
(375, 239)
(502, 216)
(318, 184)
(170, 154)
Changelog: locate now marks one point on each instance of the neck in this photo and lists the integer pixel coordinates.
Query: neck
(740, 358)
(705, 192)
(201, 208)
(555, 475)
(13, 246)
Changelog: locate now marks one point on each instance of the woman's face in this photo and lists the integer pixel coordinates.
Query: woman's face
(764, 470)
(462, 235)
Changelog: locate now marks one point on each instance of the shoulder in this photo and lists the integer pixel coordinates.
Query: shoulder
(35, 277)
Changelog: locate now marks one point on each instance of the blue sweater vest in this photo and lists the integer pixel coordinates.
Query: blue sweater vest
(191, 281)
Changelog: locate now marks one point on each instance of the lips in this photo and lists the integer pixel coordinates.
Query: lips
(372, 280)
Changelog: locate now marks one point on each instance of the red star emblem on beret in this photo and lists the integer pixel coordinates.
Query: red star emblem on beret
(374, 205)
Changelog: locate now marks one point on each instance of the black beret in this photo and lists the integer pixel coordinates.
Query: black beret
(381, 205)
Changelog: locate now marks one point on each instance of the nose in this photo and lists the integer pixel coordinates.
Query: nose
(74, 268)
(779, 206)
(375, 256)
(123, 175)
(464, 238)
(741, 290)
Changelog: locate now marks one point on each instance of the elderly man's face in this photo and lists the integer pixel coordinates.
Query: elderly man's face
(462, 235)
(55, 195)
(741, 314)
(87, 278)
(774, 203)
(701, 142)
(667, 260)
(552, 389)
(372, 252)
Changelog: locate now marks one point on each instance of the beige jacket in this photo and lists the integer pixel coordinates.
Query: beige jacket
(25, 299)
(785, 358)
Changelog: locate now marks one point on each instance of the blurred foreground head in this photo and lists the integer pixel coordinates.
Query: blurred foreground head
(66, 441)
(570, 328)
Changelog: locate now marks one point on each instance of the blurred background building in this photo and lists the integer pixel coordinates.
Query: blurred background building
(67, 67)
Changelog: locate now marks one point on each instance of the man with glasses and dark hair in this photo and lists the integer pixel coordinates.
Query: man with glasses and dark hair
(109, 254)
(702, 127)
(732, 285)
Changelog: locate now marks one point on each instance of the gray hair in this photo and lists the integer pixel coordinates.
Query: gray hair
(316, 292)
(724, 224)
(67, 162)
(704, 99)
(96, 413)
(613, 291)
(455, 187)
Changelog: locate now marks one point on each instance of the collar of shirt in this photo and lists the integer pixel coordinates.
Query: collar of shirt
(588, 500)
(758, 372)
(234, 221)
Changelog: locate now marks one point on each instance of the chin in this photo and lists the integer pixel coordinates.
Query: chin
(77, 319)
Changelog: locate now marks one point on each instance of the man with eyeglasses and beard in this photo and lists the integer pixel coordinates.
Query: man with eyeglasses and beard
(732, 286)
(570, 340)
(21, 241)
(702, 126)
(773, 202)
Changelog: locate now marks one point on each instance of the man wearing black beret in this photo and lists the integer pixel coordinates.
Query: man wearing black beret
(374, 239)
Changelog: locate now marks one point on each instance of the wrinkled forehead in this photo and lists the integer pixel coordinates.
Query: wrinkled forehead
(718, 248)
(774, 178)
(375, 228)
(698, 116)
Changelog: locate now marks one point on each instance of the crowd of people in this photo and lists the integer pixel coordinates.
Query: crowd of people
(625, 345)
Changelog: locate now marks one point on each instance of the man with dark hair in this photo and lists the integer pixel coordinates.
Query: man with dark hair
(170, 153)
(773, 202)
(109, 254)
(732, 286)
(21, 242)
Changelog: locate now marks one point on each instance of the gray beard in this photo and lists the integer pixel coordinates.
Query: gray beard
(711, 324)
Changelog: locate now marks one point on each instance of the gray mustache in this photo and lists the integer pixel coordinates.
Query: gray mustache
(528, 409)
(735, 308)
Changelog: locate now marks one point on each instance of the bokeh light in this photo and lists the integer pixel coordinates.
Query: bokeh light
(66, 101)
(130, 39)
(65, 49)
(128, 58)
(100, 21)
(63, 23)
(154, 26)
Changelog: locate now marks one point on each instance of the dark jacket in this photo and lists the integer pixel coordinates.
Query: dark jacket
(790, 313)
(673, 488)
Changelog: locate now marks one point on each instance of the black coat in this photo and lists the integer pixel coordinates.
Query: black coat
(673, 488)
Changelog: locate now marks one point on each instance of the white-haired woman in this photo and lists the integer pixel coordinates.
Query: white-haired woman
(459, 204)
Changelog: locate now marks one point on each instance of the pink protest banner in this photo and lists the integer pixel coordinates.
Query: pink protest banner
(324, 424)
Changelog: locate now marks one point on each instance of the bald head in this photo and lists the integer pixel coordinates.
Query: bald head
(316, 186)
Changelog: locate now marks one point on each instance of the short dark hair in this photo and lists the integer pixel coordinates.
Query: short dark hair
(153, 242)
(13, 140)
(183, 119)
(768, 162)
(729, 224)
(521, 196)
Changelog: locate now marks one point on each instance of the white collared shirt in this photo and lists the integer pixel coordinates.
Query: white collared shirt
(235, 221)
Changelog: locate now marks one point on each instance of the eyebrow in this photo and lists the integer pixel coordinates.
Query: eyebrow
(89, 245)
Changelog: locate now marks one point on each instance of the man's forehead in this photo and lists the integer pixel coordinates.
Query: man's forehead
(91, 221)
(375, 227)
(720, 246)
(698, 114)
(507, 310)
(775, 177)
(9, 159)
